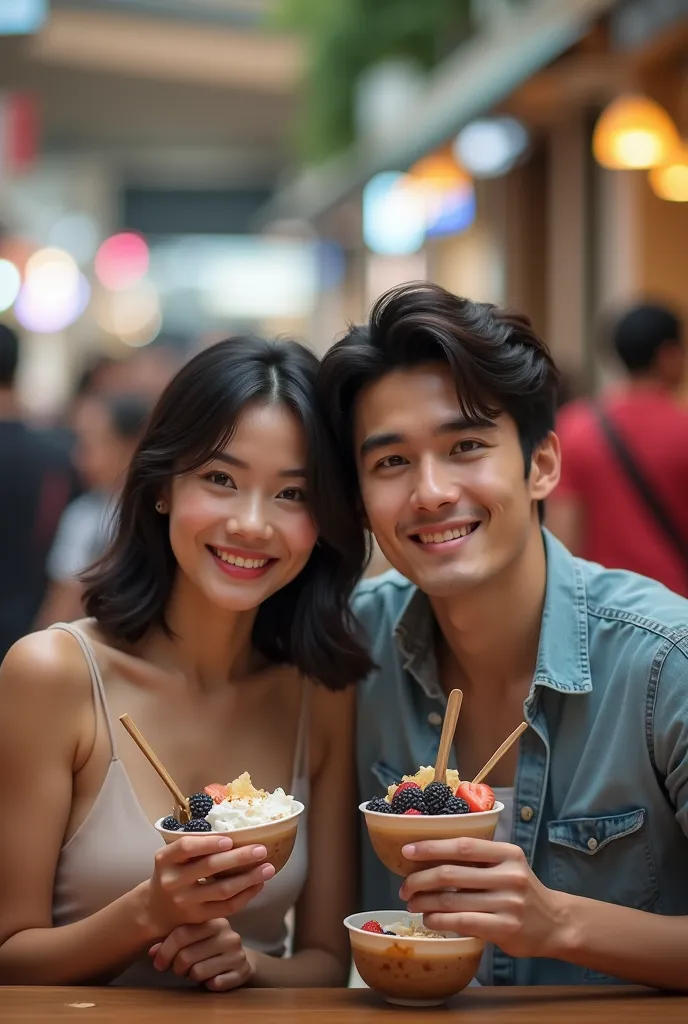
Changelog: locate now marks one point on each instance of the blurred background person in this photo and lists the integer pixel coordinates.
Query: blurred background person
(108, 428)
(36, 483)
(623, 496)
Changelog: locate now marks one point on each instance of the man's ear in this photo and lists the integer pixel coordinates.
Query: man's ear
(545, 468)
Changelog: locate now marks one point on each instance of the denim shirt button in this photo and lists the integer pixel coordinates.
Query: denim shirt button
(527, 813)
(592, 843)
(434, 718)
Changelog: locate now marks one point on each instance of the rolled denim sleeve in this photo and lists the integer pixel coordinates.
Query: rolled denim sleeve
(670, 729)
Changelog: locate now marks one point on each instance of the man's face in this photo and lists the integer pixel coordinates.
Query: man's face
(447, 500)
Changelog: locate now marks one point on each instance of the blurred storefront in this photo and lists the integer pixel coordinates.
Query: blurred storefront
(482, 175)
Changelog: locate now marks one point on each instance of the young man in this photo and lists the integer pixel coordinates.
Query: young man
(445, 409)
(597, 510)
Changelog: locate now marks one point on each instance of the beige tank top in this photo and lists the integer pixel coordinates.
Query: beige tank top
(113, 849)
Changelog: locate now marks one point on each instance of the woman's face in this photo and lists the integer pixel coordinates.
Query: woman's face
(240, 527)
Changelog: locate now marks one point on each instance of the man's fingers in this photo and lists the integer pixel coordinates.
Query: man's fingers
(450, 876)
(460, 851)
(457, 903)
(478, 926)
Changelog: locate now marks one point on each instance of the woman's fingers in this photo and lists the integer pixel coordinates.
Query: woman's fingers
(226, 888)
(228, 981)
(235, 861)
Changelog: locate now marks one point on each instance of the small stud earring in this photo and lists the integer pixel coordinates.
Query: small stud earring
(160, 507)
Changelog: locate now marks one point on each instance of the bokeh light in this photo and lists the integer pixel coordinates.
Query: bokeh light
(394, 214)
(51, 299)
(122, 261)
(132, 315)
(670, 181)
(10, 283)
(490, 147)
(632, 133)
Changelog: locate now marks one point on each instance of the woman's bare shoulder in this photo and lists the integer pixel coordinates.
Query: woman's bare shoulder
(46, 666)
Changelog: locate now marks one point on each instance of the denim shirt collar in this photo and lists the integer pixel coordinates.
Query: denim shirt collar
(563, 661)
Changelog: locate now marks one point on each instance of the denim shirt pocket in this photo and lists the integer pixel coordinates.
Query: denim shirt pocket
(385, 775)
(605, 858)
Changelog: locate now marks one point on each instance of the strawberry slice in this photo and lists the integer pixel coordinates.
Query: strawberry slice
(373, 926)
(478, 797)
(406, 785)
(217, 791)
(412, 810)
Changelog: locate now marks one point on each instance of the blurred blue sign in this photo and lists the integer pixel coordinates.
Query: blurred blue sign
(20, 17)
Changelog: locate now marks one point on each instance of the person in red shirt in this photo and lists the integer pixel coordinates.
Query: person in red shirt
(597, 510)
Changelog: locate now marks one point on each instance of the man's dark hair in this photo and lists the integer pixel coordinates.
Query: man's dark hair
(307, 623)
(641, 332)
(9, 356)
(498, 362)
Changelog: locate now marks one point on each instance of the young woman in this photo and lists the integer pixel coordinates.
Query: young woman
(215, 660)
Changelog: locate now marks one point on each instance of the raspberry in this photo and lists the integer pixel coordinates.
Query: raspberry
(412, 810)
(380, 805)
(171, 824)
(197, 825)
(455, 805)
(406, 785)
(373, 926)
(407, 799)
(200, 804)
(436, 795)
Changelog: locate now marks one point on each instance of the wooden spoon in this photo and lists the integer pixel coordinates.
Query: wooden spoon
(181, 802)
(451, 717)
(500, 752)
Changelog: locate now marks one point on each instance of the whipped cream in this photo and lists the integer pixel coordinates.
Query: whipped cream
(245, 811)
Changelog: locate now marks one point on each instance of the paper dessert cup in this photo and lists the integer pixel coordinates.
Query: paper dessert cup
(278, 837)
(412, 971)
(390, 832)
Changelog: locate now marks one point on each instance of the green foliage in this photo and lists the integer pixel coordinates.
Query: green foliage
(344, 37)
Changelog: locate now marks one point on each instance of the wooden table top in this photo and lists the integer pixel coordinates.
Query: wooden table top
(537, 1005)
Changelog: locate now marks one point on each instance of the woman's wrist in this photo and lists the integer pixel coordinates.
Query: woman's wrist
(146, 929)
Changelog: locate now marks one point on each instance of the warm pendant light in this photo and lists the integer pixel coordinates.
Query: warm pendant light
(439, 170)
(634, 132)
(670, 181)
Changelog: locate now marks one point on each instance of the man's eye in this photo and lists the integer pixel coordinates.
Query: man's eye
(466, 446)
(390, 461)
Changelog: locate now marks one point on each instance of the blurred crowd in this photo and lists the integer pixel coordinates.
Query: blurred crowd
(621, 501)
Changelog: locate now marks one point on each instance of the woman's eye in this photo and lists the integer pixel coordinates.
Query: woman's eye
(391, 461)
(220, 478)
(292, 494)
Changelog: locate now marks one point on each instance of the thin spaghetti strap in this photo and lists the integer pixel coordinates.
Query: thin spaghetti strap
(94, 672)
(302, 733)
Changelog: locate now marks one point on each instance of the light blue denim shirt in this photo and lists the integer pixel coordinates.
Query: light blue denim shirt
(601, 789)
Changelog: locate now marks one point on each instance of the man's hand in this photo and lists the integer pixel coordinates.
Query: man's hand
(209, 953)
(486, 890)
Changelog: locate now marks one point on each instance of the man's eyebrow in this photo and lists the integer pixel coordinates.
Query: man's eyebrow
(465, 423)
(231, 460)
(376, 441)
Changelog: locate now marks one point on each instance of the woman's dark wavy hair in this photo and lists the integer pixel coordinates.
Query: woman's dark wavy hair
(497, 360)
(307, 623)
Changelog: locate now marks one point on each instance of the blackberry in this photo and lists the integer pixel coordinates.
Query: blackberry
(200, 804)
(379, 804)
(197, 825)
(455, 805)
(171, 824)
(407, 800)
(436, 795)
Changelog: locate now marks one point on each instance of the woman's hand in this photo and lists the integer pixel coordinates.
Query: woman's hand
(210, 953)
(182, 889)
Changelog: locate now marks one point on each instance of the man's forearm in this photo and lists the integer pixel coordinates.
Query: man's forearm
(308, 968)
(642, 948)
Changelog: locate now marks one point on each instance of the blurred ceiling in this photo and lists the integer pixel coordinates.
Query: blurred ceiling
(192, 90)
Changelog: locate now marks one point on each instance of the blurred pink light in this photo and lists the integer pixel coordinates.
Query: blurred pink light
(122, 260)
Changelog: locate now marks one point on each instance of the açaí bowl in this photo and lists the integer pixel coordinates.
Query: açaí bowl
(408, 970)
(390, 832)
(278, 837)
